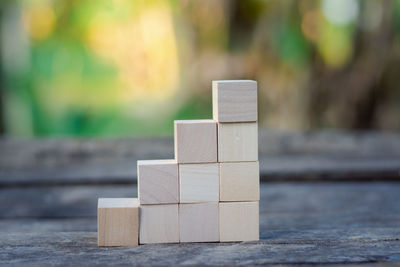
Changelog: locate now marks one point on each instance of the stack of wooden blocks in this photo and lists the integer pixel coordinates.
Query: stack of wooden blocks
(208, 193)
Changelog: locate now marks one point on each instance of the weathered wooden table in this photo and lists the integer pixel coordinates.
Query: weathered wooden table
(328, 197)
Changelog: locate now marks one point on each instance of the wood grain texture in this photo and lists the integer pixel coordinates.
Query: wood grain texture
(199, 222)
(159, 224)
(195, 141)
(237, 142)
(118, 222)
(238, 221)
(234, 100)
(79, 249)
(293, 205)
(239, 181)
(317, 155)
(158, 182)
(199, 182)
(56, 225)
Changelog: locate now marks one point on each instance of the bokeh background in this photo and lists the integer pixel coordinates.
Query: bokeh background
(123, 67)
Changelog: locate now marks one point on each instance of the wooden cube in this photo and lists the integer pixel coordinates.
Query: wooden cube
(195, 141)
(239, 181)
(199, 182)
(159, 224)
(199, 222)
(238, 221)
(158, 182)
(234, 100)
(117, 222)
(237, 142)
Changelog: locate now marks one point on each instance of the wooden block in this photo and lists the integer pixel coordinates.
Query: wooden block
(199, 182)
(195, 141)
(159, 224)
(237, 142)
(117, 222)
(239, 181)
(158, 182)
(199, 222)
(238, 221)
(234, 100)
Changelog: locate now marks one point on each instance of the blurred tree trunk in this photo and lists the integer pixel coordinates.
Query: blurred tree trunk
(349, 98)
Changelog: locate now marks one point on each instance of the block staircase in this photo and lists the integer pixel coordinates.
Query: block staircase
(209, 193)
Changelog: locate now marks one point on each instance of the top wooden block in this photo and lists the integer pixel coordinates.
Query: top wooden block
(234, 100)
(195, 141)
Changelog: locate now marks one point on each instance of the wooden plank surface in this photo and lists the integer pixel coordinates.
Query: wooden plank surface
(49, 190)
(377, 199)
(79, 249)
(328, 155)
(299, 223)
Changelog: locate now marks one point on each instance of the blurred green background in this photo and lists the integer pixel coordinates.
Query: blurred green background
(123, 67)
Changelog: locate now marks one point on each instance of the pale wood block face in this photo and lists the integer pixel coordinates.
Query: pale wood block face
(118, 222)
(195, 141)
(237, 142)
(239, 181)
(199, 182)
(234, 100)
(158, 181)
(199, 222)
(159, 224)
(238, 221)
